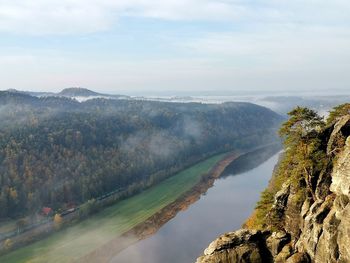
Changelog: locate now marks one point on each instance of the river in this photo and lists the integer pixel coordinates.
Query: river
(223, 208)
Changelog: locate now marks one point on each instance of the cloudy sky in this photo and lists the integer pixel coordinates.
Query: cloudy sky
(175, 46)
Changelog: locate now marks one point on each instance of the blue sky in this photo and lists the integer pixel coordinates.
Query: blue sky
(175, 47)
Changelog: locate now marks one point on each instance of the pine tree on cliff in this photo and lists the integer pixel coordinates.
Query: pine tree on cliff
(338, 111)
(300, 137)
(300, 126)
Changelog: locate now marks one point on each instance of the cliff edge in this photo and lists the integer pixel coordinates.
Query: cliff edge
(304, 214)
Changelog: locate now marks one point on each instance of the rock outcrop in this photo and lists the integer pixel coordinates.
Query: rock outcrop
(313, 228)
(240, 246)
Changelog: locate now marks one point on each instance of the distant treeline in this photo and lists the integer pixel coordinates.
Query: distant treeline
(59, 153)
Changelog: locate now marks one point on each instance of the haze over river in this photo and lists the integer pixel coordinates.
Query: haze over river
(223, 208)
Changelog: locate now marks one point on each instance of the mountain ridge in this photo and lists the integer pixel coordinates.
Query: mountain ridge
(72, 92)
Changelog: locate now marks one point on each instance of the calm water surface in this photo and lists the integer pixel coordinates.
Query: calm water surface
(223, 208)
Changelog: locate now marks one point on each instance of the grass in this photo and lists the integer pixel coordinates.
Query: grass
(84, 237)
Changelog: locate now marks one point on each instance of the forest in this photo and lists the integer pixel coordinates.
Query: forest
(56, 152)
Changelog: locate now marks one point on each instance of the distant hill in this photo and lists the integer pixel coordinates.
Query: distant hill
(16, 97)
(19, 99)
(79, 92)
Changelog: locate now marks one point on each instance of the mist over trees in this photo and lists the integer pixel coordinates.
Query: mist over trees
(57, 152)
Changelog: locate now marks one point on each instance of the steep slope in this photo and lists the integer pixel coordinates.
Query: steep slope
(58, 153)
(303, 216)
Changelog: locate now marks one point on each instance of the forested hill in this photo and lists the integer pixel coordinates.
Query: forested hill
(57, 152)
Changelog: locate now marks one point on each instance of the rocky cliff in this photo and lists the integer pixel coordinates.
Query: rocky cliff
(304, 215)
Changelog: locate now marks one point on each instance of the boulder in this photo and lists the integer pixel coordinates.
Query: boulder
(242, 246)
(299, 257)
(276, 241)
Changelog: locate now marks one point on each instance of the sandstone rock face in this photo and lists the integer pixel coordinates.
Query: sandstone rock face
(325, 234)
(285, 253)
(333, 242)
(314, 231)
(337, 127)
(240, 246)
(298, 258)
(244, 246)
(276, 241)
(341, 173)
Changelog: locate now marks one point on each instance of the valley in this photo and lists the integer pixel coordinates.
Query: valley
(83, 238)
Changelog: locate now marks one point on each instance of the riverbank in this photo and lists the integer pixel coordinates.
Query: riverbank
(152, 224)
(74, 242)
(224, 206)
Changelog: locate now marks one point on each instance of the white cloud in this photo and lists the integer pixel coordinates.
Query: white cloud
(54, 17)
(86, 16)
(186, 9)
(287, 47)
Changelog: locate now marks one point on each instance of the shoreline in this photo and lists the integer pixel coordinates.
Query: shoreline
(150, 226)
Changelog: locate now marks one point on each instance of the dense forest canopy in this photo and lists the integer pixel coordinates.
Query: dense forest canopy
(57, 152)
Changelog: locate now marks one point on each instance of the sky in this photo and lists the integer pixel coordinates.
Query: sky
(176, 47)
